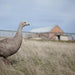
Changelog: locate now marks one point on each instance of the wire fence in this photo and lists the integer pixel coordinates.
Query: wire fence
(8, 33)
(45, 35)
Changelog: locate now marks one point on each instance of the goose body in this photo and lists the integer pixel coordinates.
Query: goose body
(10, 46)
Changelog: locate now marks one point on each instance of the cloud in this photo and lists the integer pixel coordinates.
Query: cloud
(38, 12)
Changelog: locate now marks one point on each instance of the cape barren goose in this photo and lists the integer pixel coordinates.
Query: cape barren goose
(10, 46)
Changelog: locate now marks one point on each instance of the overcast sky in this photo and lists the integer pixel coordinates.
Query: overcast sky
(39, 13)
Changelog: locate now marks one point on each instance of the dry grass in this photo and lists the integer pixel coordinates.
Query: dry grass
(41, 58)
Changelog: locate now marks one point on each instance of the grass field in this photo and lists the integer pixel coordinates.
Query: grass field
(41, 58)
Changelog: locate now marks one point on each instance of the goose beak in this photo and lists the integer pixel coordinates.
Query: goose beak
(27, 23)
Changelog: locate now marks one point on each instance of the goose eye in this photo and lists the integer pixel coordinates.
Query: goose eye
(24, 22)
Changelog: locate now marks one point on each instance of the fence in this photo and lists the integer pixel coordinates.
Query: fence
(8, 33)
(47, 35)
(51, 36)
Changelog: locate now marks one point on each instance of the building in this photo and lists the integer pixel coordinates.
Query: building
(50, 32)
(64, 37)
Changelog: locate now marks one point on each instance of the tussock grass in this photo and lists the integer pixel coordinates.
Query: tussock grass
(41, 58)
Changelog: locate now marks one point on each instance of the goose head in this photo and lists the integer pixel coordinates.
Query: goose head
(24, 23)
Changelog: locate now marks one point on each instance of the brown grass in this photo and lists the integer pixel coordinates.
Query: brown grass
(41, 58)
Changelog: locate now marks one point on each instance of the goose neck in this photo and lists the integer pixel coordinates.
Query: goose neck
(19, 32)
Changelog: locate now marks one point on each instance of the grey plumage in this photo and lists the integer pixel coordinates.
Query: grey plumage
(10, 46)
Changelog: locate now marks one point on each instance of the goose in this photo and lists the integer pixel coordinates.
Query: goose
(10, 46)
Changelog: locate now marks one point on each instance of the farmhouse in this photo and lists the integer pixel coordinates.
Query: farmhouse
(50, 32)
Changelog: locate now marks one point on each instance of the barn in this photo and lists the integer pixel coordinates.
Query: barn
(50, 32)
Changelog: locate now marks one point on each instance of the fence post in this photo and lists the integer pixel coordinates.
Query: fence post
(39, 35)
(12, 34)
(49, 35)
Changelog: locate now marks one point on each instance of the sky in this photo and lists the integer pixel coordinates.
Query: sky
(39, 13)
